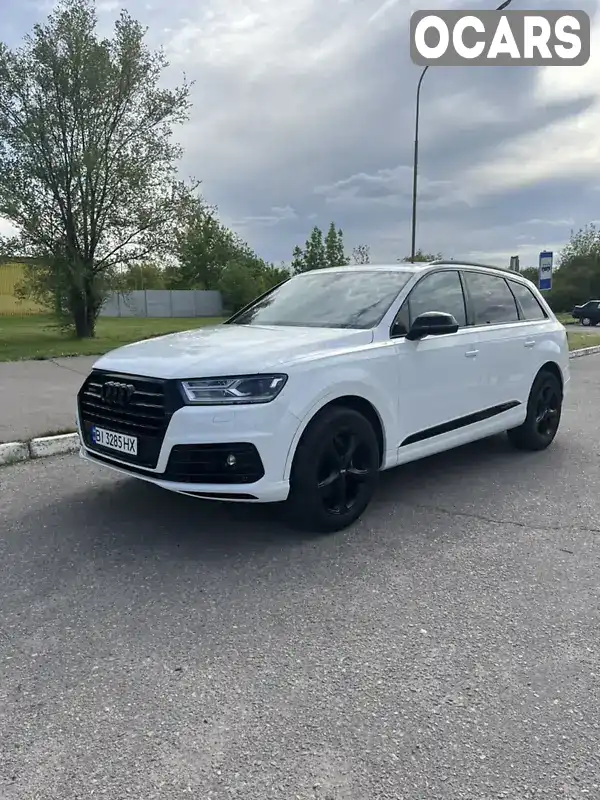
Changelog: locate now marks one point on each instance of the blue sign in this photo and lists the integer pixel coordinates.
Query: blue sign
(545, 271)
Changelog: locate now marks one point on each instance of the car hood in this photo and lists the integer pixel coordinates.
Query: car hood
(227, 350)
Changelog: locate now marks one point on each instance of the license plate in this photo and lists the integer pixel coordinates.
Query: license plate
(115, 441)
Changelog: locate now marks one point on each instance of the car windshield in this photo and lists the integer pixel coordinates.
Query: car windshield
(352, 299)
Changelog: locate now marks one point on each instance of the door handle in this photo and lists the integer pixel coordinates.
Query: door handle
(471, 353)
(530, 343)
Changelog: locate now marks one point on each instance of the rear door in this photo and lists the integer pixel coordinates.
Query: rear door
(502, 339)
(535, 325)
(439, 377)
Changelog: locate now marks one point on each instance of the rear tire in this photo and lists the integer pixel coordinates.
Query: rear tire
(544, 409)
(335, 471)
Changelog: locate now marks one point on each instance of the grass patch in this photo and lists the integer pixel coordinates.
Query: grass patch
(577, 341)
(35, 337)
(566, 319)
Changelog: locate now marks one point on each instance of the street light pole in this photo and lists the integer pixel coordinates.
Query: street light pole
(415, 167)
(501, 7)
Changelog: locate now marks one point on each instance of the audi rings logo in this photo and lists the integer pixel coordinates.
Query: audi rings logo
(117, 394)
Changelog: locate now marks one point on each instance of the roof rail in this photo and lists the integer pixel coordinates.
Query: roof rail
(459, 261)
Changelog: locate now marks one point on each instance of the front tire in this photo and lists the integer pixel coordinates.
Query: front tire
(335, 471)
(586, 321)
(544, 409)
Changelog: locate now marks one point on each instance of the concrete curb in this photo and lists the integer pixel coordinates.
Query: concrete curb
(44, 446)
(585, 351)
(40, 447)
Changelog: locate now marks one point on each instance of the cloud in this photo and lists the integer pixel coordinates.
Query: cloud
(303, 112)
(390, 187)
(551, 223)
(107, 6)
(276, 216)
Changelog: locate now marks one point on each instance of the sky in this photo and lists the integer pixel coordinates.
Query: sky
(303, 114)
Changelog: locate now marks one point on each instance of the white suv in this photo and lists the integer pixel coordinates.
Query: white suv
(309, 392)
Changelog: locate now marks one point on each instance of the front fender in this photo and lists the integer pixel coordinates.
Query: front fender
(372, 385)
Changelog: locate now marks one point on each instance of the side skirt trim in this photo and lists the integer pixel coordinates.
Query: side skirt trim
(461, 422)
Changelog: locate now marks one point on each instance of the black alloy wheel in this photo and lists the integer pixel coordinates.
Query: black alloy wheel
(335, 471)
(342, 471)
(544, 409)
(548, 411)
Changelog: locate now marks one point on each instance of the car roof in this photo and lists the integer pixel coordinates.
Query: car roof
(400, 267)
(421, 267)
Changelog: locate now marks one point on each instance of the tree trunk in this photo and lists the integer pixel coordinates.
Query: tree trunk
(84, 316)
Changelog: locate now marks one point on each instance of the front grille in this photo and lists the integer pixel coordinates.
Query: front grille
(145, 415)
(207, 463)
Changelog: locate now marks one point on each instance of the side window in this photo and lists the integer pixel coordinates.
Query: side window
(492, 300)
(441, 291)
(528, 301)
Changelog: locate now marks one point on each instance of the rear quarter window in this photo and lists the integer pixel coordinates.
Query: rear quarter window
(492, 302)
(530, 306)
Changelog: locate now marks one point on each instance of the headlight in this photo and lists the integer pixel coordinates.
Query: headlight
(227, 391)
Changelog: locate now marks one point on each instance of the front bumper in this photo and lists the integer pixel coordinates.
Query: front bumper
(270, 428)
(263, 491)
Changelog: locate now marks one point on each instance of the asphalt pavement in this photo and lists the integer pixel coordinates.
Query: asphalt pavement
(574, 328)
(446, 646)
(40, 397)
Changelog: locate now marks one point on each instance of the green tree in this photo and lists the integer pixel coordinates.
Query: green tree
(361, 254)
(335, 255)
(204, 246)
(576, 278)
(422, 258)
(140, 276)
(213, 257)
(319, 252)
(575, 283)
(298, 262)
(240, 284)
(314, 251)
(87, 161)
(582, 243)
(272, 275)
(531, 273)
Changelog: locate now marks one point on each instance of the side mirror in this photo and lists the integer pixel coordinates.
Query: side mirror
(432, 323)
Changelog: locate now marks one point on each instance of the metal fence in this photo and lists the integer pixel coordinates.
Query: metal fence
(150, 303)
(163, 303)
